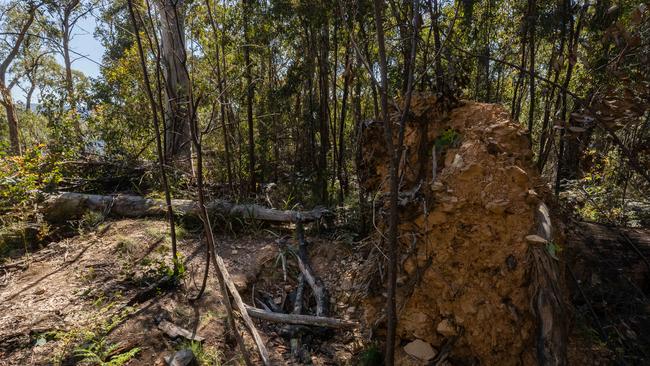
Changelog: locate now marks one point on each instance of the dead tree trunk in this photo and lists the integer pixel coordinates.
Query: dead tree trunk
(66, 206)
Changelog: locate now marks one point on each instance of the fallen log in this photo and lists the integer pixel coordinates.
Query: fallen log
(319, 321)
(65, 206)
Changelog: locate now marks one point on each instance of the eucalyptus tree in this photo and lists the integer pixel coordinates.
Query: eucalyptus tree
(17, 18)
(173, 55)
(64, 17)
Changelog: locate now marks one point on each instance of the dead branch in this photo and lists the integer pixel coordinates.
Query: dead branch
(243, 308)
(319, 321)
(308, 273)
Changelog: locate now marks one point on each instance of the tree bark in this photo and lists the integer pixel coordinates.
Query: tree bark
(173, 58)
(12, 120)
(66, 34)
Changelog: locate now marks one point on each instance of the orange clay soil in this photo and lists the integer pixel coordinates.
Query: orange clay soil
(464, 275)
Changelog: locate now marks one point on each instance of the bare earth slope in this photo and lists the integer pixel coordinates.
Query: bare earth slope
(98, 287)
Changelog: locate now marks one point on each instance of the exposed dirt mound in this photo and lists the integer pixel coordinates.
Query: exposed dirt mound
(467, 279)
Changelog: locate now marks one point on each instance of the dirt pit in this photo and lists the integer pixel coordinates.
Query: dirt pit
(468, 199)
(92, 295)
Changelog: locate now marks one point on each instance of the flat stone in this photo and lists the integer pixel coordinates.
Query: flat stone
(498, 206)
(437, 186)
(174, 331)
(181, 358)
(446, 328)
(458, 161)
(420, 350)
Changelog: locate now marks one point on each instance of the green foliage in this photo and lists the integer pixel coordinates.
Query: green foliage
(103, 353)
(607, 192)
(125, 245)
(448, 138)
(553, 249)
(91, 343)
(90, 220)
(158, 269)
(371, 356)
(205, 356)
(21, 176)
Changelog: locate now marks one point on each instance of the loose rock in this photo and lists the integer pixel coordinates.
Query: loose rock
(181, 358)
(420, 350)
(446, 328)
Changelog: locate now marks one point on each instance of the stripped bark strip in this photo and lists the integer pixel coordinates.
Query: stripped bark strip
(546, 299)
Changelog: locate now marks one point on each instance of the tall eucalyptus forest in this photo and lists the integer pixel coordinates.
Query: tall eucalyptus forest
(289, 144)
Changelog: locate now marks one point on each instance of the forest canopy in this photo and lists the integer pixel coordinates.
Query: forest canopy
(280, 89)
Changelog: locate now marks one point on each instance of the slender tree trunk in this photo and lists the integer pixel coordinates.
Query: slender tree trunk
(532, 15)
(334, 101)
(324, 114)
(514, 112)
(5, 92)
(437, 46)
(342, 176)
(391, 311)
(159, 147)
(497, 92)
(395, 154)
(12, 120)
(574, 34)
(221, 98)
(67, 62)
(548, 104)
(29, 94)
(356, 100)
(250, 94)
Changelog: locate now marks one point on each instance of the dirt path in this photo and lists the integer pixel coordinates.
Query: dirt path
(87, 292)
